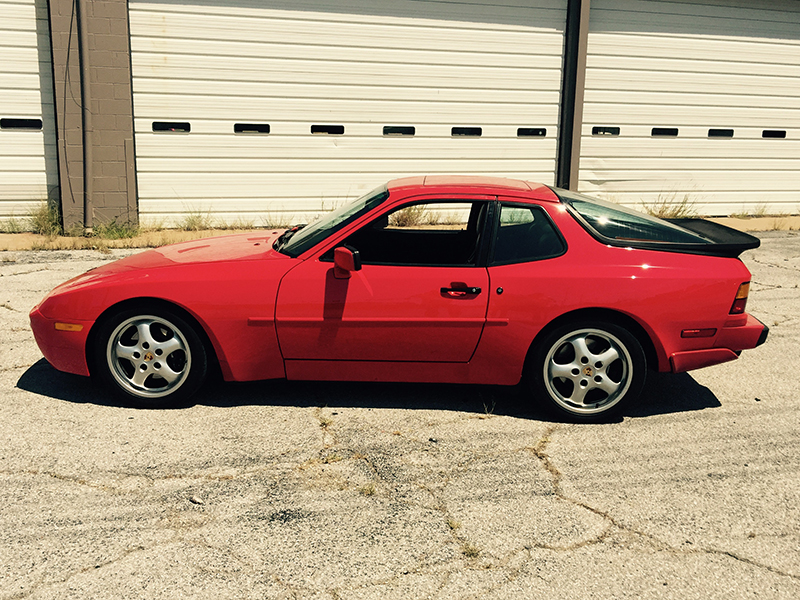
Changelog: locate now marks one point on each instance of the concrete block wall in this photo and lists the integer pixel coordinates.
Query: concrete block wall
(113, 185)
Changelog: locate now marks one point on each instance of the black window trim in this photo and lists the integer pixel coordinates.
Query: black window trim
(500, 202)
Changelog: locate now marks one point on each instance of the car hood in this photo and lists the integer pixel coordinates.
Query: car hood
(238, 247)
(241, 246)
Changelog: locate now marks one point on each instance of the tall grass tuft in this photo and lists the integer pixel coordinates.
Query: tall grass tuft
(46, 220)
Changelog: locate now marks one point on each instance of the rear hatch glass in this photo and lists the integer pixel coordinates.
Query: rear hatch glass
(616, 222)
(620, 226)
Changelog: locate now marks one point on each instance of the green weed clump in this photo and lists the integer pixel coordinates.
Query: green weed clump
(12, 225)
(196, 220)
(115, 230)
(46, 220)
(669, 206)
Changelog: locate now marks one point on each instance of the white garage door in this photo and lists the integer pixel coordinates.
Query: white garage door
(28, 165)
(694, 101)
(271, 111)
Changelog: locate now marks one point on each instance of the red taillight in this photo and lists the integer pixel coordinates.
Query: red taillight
(741, 299)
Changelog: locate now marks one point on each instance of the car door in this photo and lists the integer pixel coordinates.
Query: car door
(421, 294)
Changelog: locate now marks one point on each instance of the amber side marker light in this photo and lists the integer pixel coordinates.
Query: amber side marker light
(741, 299)
(69, 327)
(699, 333)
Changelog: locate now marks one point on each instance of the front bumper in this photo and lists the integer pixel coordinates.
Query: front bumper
(64, 350)
(728, 344)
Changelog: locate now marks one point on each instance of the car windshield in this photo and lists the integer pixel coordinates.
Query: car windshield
(615, 222)
(301, 240)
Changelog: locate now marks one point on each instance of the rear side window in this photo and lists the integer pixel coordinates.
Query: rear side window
(614, 222)
(524, 234)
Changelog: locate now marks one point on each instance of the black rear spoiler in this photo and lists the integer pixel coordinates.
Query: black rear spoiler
(726, 241)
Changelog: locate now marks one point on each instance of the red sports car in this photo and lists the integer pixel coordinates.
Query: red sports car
(426, 279)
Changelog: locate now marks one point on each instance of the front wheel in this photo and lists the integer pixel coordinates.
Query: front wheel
(587, 371)
(152, 357)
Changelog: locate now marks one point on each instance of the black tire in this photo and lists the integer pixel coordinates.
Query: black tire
(587, 371)
(164, 369)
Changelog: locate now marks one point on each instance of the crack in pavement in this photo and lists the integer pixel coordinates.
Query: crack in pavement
(24, 272)
(767, 263)
(540, 451)
(41, 584)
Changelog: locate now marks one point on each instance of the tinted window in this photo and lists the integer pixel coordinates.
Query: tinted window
(525, 233)
(616, 222)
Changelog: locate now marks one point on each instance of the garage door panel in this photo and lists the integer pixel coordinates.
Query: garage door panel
(630, 148)
(341, 111)
(659, 115)
(710, 167)
(694, 67)
(498, 57)
(767, 19)
(411, 35)
(280, 93)
(314, 191)
(674, 47)
(424, 64)
(317, 186)
(225, 147)
(331, 165)
(727, 88)
(418, 77)
(28, 166)
(467, 13)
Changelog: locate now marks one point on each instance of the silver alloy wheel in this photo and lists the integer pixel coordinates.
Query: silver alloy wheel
(587, 371)
(148, 356)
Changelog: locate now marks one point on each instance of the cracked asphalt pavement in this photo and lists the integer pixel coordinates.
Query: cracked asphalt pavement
(339, 491)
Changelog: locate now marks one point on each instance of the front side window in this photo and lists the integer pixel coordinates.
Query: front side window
(614, 222)
(524, 234)
(437, 233)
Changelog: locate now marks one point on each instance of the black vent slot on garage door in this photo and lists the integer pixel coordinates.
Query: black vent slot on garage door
(720, 133)
(531, 132)
(30, 124)
(466, 131)
(612, 131)
(399, 130)
(172, 126)
(252, 128)
(327, 129)
(774, 133)
(664, 132)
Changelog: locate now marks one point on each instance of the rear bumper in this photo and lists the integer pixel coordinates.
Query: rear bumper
(729, 343)
(64, 350)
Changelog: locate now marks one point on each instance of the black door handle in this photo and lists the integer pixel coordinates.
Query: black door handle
(458, 292)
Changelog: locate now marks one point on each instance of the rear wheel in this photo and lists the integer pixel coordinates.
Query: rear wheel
(587, 371)
(152, 356)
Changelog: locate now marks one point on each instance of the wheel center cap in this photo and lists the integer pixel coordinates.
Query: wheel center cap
(148, 357)
(587, 371)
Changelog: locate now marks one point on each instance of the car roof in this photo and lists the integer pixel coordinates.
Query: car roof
(498, 184)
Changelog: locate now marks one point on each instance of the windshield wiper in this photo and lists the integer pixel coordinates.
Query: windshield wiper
(286, 236)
